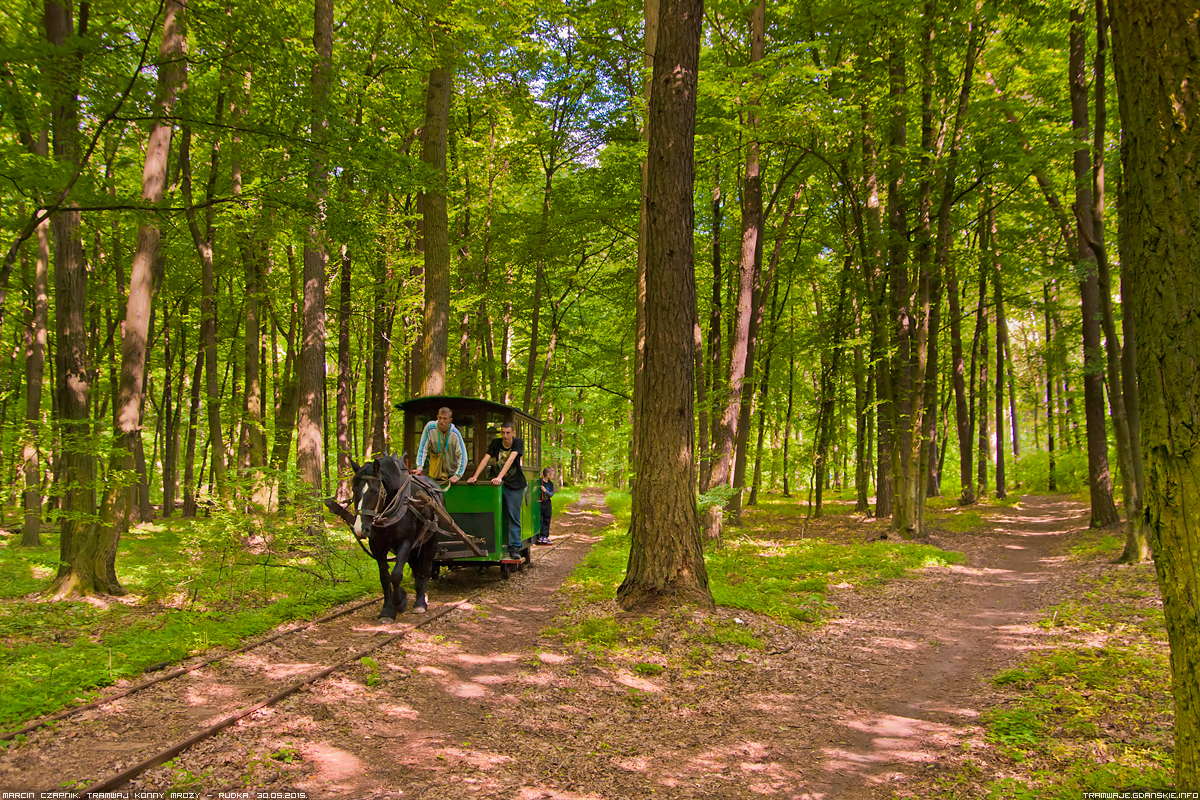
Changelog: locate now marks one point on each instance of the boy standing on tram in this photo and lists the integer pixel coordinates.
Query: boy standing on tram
(507, 451)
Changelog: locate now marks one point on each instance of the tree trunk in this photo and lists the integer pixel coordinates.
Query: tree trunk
(310, 454)
(343, 380)
(904, 412)
(167, 416)
(985, 453)
(666, 563)
(35, 366)
(861, 466)
(730, 431)
(650, 43)
(708, 435)
(1112, 344)
(83, 566)
(1155, 58)
(1050, 406)
(435, 327)
(1001, 338)
(1104, 511)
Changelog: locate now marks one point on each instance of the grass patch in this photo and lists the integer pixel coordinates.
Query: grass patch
(957, 521)
(193, 584)
(1095, 713)
(784, 579)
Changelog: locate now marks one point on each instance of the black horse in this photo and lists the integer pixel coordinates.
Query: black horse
(393, 514)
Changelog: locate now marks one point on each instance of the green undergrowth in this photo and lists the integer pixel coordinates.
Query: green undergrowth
(192, 584)
(1094, 712)
(786, 579)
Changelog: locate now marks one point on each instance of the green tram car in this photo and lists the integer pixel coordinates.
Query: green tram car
(476, 507)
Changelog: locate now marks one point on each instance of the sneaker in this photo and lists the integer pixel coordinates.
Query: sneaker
(542, 540)
(514, 552)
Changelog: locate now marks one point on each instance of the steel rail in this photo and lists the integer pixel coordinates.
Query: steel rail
(128, 774)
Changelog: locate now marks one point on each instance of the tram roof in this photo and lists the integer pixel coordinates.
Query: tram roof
(449, 400)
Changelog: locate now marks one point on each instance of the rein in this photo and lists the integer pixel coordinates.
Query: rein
(388, 510)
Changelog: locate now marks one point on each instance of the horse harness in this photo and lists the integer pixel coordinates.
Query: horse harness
(395, 510)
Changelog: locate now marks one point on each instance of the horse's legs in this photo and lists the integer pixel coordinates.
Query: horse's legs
(388, 612)
(402, 553)
(421, 564)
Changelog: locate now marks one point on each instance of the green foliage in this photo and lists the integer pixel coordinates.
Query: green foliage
(372, 667)
(1070, 471)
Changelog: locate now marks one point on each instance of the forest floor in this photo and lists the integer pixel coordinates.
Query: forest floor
(887, 698)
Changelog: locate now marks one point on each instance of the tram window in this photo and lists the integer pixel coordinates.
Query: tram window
(419, 423)
(466, 427)
(494, 421)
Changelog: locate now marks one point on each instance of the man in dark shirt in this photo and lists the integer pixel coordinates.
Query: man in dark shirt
(506, 452)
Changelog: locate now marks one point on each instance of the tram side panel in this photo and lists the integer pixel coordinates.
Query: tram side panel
(477, 510)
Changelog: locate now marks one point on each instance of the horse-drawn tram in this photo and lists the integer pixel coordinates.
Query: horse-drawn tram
(476, 508)
(410, 508)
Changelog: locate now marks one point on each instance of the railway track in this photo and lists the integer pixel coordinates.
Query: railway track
(102, 746)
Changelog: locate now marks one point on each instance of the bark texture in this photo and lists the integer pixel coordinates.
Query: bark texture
(310, 452)
(666, 560)
(1157, 56)
(435, 328)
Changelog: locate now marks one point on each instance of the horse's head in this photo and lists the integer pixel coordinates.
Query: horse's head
(374, 486)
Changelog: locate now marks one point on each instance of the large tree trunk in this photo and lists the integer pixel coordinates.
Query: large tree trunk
(435, 327)
(666, 562)
(310, 452)
(35, 366)
(1156, 61)
(83, 561)
(1104, 511)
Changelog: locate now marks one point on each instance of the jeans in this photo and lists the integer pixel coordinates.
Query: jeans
(546, 511)
(510, 503)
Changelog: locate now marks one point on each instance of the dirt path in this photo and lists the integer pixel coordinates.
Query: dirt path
(487, 702)
(978, 621)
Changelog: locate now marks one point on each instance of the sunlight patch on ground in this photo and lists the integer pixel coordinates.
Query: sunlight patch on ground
(427, 669)
(476, 758)
(503, 658)
(552, 658)
(538, 793)
(399, 711)
(492, 680)
(634, 764)
(634, 682)
(332, 763)
(280, 671)
(896, 644)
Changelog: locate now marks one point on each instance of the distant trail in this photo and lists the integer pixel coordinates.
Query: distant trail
(986, 621)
